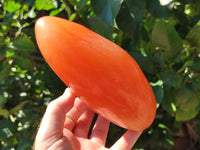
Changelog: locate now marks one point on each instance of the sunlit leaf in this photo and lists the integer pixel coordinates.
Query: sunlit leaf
(11, 6)
(4, 113)
(32, 13)
(54, 12)
(44, 4)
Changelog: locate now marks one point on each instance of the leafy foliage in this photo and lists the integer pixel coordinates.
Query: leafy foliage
(161, 35)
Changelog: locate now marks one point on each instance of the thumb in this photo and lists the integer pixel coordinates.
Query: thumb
(51, 126)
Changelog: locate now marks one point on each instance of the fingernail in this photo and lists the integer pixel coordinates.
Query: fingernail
(67, 92)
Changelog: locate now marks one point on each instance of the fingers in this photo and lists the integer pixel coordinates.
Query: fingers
(73, 115)
(100, 131)
(83, 124)
(52, 123)
(127, 140)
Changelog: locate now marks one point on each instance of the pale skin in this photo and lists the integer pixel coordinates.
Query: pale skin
(66, 123)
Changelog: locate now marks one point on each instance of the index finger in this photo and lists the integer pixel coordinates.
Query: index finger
(54, 117)
(127, 140)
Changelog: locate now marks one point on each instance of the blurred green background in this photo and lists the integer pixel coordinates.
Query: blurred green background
(163, 36)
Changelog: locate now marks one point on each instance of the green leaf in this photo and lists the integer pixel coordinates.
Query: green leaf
(30, 2)
(168, 103)
(159, 11)
(44, 4)
(194, 35)
(185, 1)
(51, 80)
(11, 6)
(2, 100)
(81, 3)
(136, 9)
(54, 12)
(24, 62)
(4, 113)
(106, 10)
(102, 28)
(32, 13)
(126, 22)
(145, 63)
(18, 107)
(159, 93)
(187, 103)
(55, 3)
(7, 18)
(24, 145)
(165, 36)
(24, 43)
(171, 78)
(4, 74)
(7, 129)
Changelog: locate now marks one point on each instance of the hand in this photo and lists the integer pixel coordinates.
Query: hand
(66, 123)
